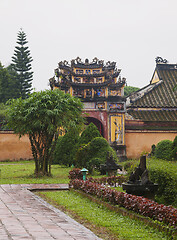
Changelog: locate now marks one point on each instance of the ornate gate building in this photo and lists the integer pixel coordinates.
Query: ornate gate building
(101, 89)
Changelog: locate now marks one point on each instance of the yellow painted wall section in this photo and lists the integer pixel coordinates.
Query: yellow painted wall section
(123, 126)
(155, 78)
(71, 91)
(138, 142)
(106, 92)
(13, 148)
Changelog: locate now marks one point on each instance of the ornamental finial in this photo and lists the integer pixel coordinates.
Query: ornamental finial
(161, 60)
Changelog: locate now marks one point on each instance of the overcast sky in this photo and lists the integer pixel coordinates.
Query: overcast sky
(130, 32)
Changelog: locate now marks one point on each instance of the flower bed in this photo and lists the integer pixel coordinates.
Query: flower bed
(143, 206)
(111, 181)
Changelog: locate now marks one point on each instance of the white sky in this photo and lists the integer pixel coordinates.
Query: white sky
(130, 32)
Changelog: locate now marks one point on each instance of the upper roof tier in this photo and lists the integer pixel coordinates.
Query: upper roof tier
(96, 63)
(162, 90)
(85, 74)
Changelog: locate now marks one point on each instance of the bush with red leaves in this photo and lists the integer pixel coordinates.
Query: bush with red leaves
(141, 205)
(75, 174)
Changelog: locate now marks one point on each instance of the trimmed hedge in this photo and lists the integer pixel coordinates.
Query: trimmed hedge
(89, 134)
(162, 172)
(165, 174)
(163, 150)
(174, 150)
(143, 206)
(66, 148)
(94, 153)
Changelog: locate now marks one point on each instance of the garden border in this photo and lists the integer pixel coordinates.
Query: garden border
(132, 215)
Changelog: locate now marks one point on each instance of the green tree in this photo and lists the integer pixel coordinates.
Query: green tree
(174, 150)
(66, 148)
(22, 65)
(129, 89)
(14, 83)
(94, 153)
(6, 85)
(163, 149)
(89, 133)
(3, 109)
(43, 116)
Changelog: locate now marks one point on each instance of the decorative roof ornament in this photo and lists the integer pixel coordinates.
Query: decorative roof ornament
(95, 60)
(86, 61)
(78, 60)
(161, 60)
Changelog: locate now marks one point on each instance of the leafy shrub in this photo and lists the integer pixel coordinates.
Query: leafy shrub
(163, 150)
(89, 134)
(174, 150)
(130, 165)
(129, 90)
(143, 206)
(94, 153)
(75, 174)
(164, 173)
(66, 148)
(82, 156)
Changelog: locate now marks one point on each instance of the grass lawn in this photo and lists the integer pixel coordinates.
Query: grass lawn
(22, 172)
(105, 223)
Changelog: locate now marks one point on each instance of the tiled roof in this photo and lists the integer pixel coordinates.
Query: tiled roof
(152, 115)
(162, 93)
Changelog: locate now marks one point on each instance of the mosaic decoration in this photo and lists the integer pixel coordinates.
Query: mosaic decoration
(101, 105)
(100, 92)
(88, 92)
(86, 80)
(79, 71)
(89, 105)
(87, 71)
(99, 80)
(96, 71)
(76, 79)
(91, 80)
(116, 106)
(116, 129)
(78, 92)
(115, 92)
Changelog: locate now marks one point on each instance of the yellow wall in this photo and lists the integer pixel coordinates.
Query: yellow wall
(13, 148)
(138, 141)
(155, 78)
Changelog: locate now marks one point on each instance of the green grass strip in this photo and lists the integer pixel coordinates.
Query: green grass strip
(23, 173)
(119, 227)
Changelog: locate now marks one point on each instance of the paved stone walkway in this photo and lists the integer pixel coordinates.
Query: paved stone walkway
(23, 215)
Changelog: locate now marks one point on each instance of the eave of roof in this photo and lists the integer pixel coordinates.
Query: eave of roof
(89, 85)
(154, 115)
(162, 93)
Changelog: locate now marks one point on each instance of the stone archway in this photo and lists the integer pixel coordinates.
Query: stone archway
(97, 123)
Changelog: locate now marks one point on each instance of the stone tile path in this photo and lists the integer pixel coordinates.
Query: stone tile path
(23, 215)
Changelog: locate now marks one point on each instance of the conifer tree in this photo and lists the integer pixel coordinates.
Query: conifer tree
(22, 65)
